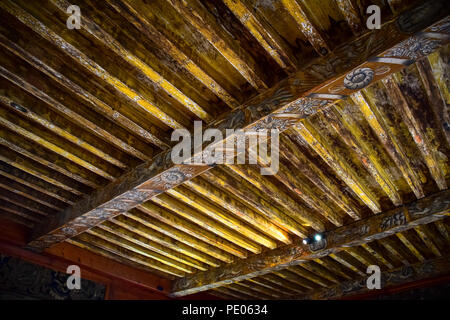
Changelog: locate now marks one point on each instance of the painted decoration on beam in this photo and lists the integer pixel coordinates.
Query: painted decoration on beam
(358, 78)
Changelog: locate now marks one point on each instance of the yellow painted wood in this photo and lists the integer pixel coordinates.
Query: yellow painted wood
(206, 223)
(196, 201)
(254, 196)
(366, 150)
(308, 29)
(129, 146)
(377, 255)
(292, 153)
(175, 52)
(162, 238)
(342, 169)
(197, 15)
(426, 237)
(121, 242)
(226, 200)
(151, 245)
(423, 137)
(296, 211)
(263, 33)
(382, 126)
(181, 235)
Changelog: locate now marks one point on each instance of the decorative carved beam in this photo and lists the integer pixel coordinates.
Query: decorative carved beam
(378, 226)
(399, 276)
(303, 93)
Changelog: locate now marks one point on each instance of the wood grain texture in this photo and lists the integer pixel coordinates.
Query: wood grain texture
(151, 178)
(379, 226)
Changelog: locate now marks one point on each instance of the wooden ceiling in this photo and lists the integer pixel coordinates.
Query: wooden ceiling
(86, 117)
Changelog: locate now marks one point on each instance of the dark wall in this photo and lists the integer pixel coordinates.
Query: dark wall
(26, 281)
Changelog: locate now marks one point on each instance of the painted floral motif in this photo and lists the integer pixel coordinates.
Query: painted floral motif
(414, 48)
(358, 79)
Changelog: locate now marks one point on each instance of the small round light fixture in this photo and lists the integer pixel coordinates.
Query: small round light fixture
(306, 241)
(318, 237)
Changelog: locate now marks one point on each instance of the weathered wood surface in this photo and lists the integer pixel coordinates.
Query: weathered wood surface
(399, 276)
(378, 226)
(302, 93)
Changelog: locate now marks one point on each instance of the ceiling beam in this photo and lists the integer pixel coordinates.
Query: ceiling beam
(375, 227)
(301, 93)
(392, 278)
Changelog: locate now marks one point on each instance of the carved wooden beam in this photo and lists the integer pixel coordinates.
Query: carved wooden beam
(346, 70)
(391, 278)
(375, 227)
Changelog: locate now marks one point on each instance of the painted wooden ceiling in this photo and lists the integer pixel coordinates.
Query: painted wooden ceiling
(85, 114)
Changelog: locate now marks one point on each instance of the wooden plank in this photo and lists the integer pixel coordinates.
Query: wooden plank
(379, 226)
(351, 15)
(308, 29)
(187, 61)
(288, 96)
(198, 16)
(275, 46)
(105, 38)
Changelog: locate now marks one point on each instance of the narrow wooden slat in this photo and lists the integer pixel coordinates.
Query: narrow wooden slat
(355, 138)
(205, 222)
(274, 279)
(308, 29)
(351, 15)
(154, 246)
(295, 209)
(435, 96)
(427, 238)
(383, 128)
(30, 193)
(128, 254)
(227, 200)
(390, 279)
(162, 238)
(275, 46)
(26, 202)
(333, 266)
(290, 151)
(35, 183)
(121, 242)
(18, 219)
(139, 21)
(395, 247)
(286, 176)
(20, 211)
(255, 198)
(345, 172)
(30, 150)
(91, 100)
(157, 110)
(409, 107)
(204, 236)
(196, 201)
(198, 16)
